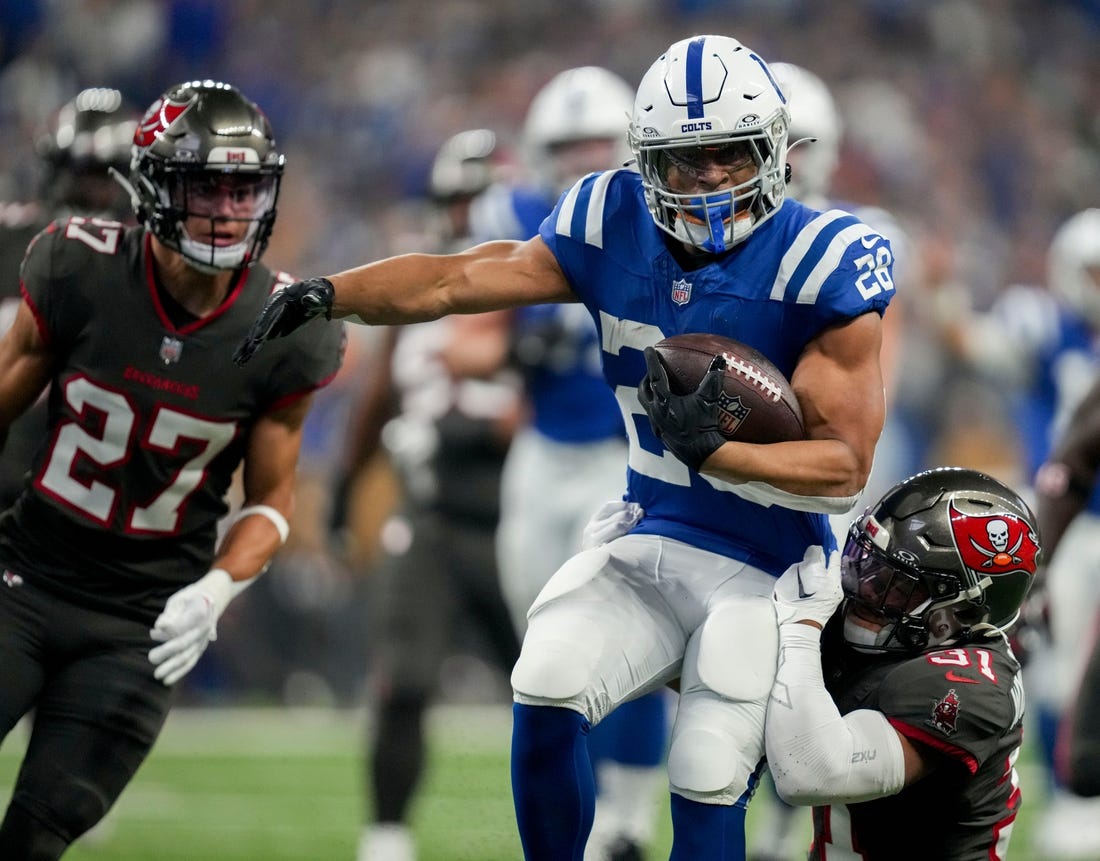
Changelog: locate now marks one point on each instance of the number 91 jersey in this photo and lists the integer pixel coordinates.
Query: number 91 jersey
(148, 416)
(963, 706)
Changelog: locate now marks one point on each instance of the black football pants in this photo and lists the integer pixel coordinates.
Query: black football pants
(97, 710)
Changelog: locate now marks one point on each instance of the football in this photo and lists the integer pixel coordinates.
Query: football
(757, 404)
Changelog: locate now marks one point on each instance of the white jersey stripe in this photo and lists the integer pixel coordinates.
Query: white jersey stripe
(593, 225)
(563, 226)
(800, 247)
(807, 293)
(594, 212)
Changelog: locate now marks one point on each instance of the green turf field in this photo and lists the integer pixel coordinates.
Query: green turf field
(251, 784)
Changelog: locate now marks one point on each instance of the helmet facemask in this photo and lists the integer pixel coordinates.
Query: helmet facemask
(187, 193)
(712, 221)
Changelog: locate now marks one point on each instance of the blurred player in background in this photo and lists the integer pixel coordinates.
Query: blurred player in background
(1039, 348)
(88, 135)
(1067, 489)
(700, 239)
(817, 123)
(113, 586)
(902, 722)
(815, 138)
(569, 456)
(446, 436)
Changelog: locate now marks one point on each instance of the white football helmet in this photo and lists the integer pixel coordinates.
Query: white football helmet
(1073, 264)
(463, 166)
(814, 115)
(711, 91)
(588, 103)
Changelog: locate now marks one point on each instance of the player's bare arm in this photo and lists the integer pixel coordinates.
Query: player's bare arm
(26, 363)
(416, 287)
(269, 473)
(839, 385)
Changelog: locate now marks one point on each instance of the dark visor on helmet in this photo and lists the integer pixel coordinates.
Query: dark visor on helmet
(870, 580)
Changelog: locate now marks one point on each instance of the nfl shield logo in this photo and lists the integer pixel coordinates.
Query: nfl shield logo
(681, 291)
(170, 349)
(731, 412)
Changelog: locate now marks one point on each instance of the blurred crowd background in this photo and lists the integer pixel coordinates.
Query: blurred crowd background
(976, 123)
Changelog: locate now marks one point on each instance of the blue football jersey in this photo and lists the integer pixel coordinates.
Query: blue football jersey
(800, 272)
(1064, 360)
(570, 403)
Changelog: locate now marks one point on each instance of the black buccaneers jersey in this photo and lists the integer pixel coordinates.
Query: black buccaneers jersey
(963, 706)
(148, 417)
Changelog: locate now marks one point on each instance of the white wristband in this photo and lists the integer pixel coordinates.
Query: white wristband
(271, 514)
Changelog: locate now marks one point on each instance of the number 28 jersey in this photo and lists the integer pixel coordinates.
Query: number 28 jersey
(799, 273)
(148, 417)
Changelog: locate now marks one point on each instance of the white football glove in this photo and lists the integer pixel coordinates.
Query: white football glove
(809, 590)
(612, 520)
(189, 621)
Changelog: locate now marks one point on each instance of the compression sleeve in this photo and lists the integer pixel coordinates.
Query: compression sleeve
(815, 755)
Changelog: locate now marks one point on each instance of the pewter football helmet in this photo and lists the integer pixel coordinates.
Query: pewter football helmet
(941, 552)
(195, 133)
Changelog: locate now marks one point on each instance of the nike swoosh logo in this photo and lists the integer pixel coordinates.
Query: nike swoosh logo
(951, 677)
(802, 593)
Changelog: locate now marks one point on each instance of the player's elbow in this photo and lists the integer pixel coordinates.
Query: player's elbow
(799, 791)
(806, 773)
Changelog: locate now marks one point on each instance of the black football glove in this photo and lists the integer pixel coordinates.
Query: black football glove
(686, 424)
(286, 310)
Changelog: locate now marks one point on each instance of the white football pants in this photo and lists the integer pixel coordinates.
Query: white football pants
(634, 614)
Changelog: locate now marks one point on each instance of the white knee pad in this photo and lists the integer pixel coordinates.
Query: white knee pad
(718, 740)
(739, 649)
(556, 663)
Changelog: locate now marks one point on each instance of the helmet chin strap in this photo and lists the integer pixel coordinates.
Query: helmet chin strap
(211, 259)
(864, 639)
(718, 236)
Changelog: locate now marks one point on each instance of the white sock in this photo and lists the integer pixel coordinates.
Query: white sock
(628, 796)
(386, 841)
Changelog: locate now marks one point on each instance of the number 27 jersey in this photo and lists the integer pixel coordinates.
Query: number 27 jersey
(148, 417)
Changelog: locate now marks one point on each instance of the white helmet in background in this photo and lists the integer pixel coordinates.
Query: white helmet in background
(813, 115)
(586, 105)
(1074, 264)
(711, 92)
(463, 166)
